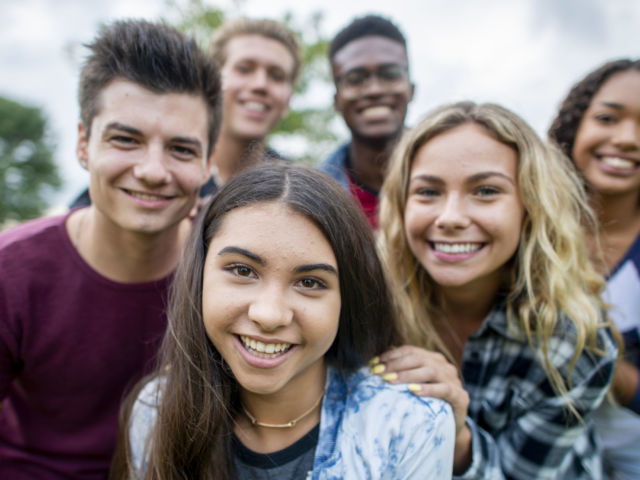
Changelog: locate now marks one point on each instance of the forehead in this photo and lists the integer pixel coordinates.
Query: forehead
(466, 149)
(176, 114)
(274, 230)
(258, 48)
(622, 88)
(369, 52)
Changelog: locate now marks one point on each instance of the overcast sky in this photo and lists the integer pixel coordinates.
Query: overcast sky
(524, 54)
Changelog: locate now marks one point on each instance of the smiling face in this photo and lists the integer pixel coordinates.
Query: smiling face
(146, 156)
(271, 298)
(607, 143)
(464, 213)
(257, 81)
(374, 108)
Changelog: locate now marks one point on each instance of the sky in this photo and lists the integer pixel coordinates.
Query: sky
(523, 54)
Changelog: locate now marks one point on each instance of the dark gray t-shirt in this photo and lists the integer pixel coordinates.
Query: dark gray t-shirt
(293, 462)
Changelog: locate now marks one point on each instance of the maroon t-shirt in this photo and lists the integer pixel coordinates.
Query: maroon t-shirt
(71, 343)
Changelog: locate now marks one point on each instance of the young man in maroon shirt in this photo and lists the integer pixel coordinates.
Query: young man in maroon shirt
(82, 296)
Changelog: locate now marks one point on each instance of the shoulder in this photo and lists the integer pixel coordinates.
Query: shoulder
(31, 232)
(391, 410)
(371, 429)
(143, 418)
(337, 159)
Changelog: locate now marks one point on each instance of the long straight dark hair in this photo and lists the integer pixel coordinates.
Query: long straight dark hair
(200, 396)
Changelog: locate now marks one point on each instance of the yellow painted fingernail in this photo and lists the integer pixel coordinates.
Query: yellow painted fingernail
(376, 369)
(414, 387)
(390, 377)
(375, 360)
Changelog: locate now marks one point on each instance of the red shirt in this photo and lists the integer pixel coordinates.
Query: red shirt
(367, 198)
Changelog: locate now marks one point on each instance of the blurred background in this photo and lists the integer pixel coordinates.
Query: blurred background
(523, 54)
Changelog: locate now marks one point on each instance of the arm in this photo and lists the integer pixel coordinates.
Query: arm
(539, 439)
(425, 447)
(626, 387)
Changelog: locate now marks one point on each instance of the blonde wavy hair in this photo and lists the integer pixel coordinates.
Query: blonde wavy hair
(550, 276)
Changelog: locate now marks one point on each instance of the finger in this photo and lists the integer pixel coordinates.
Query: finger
(425, 375)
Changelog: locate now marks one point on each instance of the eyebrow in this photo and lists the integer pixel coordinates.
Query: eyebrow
(134, 131)
(474, 178)
(316, 266)
(122, 127)
(243, 252)
(614, 105)
(259, 260)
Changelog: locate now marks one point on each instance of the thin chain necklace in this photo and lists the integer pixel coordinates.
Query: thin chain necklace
(290, 424)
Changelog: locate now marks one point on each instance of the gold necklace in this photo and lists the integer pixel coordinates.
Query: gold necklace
(254, 421)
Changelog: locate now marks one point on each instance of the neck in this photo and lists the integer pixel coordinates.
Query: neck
(616, 211)
(369, 161)
(463, 313)
(297, 398)
(619, 225)
(124, 256)
(233, 155)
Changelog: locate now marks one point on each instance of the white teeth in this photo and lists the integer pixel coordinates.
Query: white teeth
(457, 247)
(264, 350)
(375, 111)
(145, 196)
(618, 162)
(256, 106)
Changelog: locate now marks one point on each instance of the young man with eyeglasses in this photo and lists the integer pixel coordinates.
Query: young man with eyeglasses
(371, 74)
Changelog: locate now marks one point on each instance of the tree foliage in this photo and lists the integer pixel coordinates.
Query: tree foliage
(306, 123)
(28, 174)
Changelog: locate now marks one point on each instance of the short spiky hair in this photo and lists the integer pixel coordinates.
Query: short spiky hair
(565, 126)
(155, 56)
(363, 27)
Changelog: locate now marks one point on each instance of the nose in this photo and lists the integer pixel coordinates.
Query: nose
(453, 215)
(270, 309)
(259, 79)
(151, 169)
(627, 134)
(373, 85)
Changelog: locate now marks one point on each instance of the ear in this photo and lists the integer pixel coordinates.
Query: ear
(209, 166)
(82, 147)
(337, 104)
(412, 86)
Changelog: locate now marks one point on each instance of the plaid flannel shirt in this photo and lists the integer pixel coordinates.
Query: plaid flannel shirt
(520, 428)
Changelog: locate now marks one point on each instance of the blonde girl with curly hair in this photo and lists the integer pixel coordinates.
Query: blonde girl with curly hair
(482, 231)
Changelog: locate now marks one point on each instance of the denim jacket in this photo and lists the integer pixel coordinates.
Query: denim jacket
(368, 429)
(336, 165)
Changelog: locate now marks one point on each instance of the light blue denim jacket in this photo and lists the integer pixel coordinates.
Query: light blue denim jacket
(369, 429)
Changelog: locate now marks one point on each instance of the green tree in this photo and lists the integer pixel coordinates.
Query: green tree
(306, 124)
(28, 174)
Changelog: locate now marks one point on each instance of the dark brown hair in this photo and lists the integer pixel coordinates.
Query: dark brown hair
(155, 56)
(191, 437)
(565, 126)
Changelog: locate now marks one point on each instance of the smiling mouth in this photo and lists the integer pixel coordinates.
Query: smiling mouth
(264, 350)
(376, 111)
(256, 107)
(617, 162)
(456, 247)
(146, 196)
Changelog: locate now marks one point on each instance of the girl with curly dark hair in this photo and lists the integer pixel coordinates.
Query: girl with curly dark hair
(598, 127)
